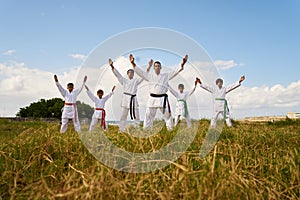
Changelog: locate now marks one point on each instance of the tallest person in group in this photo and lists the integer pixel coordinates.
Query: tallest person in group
(158, 87)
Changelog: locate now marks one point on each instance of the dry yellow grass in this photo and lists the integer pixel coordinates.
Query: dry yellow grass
(250, 161)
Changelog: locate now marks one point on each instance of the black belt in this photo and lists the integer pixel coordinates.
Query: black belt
(131, 107)
(165, 101)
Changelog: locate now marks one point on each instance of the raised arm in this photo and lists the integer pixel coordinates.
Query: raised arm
(193, 90)
(144, 75)
(179, 69)
(150, 63)
(139, 80)
(62, 90)
(77, 91)
(205, 87)
(116, 72)
(92, 97)
(110, 94)
(235, 85)
(174, 92)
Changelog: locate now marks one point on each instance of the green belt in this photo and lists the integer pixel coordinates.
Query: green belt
(225, 106)
(186, 112)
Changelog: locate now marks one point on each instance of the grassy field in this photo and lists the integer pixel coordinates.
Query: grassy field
(249, 161)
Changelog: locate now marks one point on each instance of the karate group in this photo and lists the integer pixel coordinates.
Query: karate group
(158, 98)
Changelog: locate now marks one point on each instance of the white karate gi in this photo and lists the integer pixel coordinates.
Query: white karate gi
(99, 104)
(130, 88)
(158, 84)
(181, 110)
(220, 102)
(70, 108)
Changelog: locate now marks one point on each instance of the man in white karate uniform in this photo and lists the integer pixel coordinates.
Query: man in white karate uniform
(181, 110)
(158, 87)
(129, 99)
(99, 113)
(220, 103)
(70, 108)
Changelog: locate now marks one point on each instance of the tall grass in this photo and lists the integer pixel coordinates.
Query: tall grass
(249, 161)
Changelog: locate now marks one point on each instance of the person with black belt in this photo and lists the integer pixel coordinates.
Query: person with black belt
(158, 87)
(129, 99)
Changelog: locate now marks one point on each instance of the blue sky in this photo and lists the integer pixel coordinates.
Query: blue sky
(264, 35)
(261, 36)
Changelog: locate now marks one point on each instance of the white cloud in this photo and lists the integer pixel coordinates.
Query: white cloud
(21, 85)
(265, 100)
(78, 56)
(226, 64)
(9, 52)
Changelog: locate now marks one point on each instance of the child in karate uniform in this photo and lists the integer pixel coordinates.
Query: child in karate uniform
(99, 113)
(181, 104)
(220, 103)
(69, 109)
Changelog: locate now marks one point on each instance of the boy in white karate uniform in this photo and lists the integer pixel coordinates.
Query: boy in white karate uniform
(220, 103)
(99, 113)
(70, 108)
(181, 104)
(158, 87)
(129, 99)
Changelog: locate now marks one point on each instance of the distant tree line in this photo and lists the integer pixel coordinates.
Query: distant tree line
(52, 108)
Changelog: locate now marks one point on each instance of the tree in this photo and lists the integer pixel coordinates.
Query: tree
(84, 110)
(53, 108)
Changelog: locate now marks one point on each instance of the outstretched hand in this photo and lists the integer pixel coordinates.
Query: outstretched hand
(55, 78)
(242, 79)
(150, 63)
(85, 79)
(113, 88)
(184, 60)
(198, 80)
(131, 58)
(111, 64)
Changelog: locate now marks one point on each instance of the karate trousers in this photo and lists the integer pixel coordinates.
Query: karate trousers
(150, 115)
(216, 115)
(97, 121)
(124, 115)
(187, 119)
(64, 125)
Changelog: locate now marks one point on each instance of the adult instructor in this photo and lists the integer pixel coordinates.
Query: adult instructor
(158, 87)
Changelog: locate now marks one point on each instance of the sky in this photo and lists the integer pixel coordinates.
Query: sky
(258, 39)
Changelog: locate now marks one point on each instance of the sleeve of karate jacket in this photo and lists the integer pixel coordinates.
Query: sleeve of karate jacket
(232, 87)
(108, 96)
(140, 80)
(62, 90)
(144, 75)
(175, 72)
(119, 76)
(192, 91)
(93, 97)
(207, 88)
(77, 91)
(174, 92)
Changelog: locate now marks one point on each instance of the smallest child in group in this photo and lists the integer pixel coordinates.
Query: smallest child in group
(181, 104)
(99, 113)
